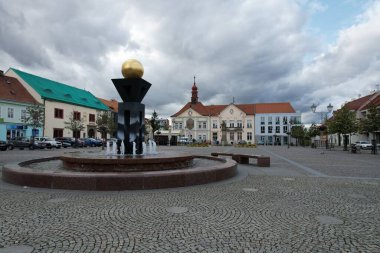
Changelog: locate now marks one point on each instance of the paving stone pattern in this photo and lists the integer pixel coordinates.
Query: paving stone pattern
(261, 210)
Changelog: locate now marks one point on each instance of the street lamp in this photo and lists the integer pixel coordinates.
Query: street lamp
(289, 131)
(313, 108)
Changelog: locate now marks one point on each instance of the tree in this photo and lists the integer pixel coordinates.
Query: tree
(34, 117)
(105, 123)
(371, 123)
(298, 132)
(343, 122)
(75, 125)
(154, 124)
(313, 131)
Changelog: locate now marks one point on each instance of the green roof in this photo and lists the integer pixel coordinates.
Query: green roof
(53, 90)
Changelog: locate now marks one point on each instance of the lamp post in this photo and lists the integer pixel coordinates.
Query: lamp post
(289, 131)
(313, 108)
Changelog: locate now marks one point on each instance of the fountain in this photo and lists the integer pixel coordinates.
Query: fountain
(131, 164)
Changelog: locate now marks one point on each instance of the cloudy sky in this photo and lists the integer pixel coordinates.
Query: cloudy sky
(301, 51)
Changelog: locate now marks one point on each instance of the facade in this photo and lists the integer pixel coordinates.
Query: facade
(274, 122)
(14, 99)
(233, 123)
(60, 102)
(360, 107)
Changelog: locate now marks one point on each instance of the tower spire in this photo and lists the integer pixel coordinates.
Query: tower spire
(194, 93)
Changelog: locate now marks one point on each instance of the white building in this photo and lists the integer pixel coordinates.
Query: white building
(204, 123)
(274, 121)
(60, 101)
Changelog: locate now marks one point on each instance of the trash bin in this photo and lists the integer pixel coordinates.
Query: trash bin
(353, 148)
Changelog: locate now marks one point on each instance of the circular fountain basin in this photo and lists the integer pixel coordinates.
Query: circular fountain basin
(95, 162)
(67, 172)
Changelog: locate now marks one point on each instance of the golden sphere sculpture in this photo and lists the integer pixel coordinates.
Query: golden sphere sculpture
(132, 69)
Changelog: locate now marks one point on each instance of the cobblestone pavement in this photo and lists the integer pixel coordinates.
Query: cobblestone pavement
(309, 200)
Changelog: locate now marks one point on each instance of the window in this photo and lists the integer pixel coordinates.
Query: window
(270, 120)
(285, 129)
(232, 136)
(270, 129)
(57, 132)
(23, 114)
(214, 124)
(277, 129)
(249, 123)
(249, 136)
(91, 117)
(239, 124)
(202, 124)
(262, 119)
(277, 120)
(77, 116)
(58, 113)
(239, 136)
(285, 120)
(232, 123)
(263, 129)
(10, 113)
(214, 136)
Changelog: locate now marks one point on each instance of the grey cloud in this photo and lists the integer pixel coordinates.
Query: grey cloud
(251, 50)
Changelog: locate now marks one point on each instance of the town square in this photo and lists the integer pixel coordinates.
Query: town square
(211, 126)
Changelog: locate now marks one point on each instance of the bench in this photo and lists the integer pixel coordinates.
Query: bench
(262, 161)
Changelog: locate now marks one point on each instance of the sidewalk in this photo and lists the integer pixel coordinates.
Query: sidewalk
(309, 200)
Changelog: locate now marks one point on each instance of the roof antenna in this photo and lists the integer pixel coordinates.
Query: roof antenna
(233, 100)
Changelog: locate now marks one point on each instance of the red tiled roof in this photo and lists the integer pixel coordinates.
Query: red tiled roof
(249, 109)
(374, 100)
(285, 107)
(112, 104)
(11, 89)
(357, 103)
(198, 107)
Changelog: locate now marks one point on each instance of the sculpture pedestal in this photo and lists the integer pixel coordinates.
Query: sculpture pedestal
(130, 126)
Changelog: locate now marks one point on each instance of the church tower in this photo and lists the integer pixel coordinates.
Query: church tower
(194, 93)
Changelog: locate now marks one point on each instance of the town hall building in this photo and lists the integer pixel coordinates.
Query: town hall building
(234, 123)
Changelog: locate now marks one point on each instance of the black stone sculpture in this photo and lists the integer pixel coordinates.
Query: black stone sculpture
(131, 113)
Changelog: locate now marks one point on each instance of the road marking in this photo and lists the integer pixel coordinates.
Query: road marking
(303, 167)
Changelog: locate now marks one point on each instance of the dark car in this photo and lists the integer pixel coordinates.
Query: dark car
(3, 145)
(71, 140)
(65, 144)
(91, 142)
(25, 143)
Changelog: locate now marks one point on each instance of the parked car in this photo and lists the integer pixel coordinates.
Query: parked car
(91, 142)
(260, 142)
(50, 142)
(72, 141)
(183, 140)
(3, 145)
(363, 145)
(65, 143)
(25, 143)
